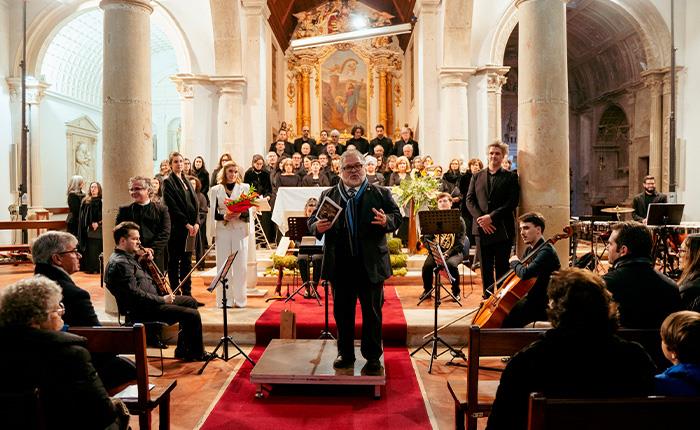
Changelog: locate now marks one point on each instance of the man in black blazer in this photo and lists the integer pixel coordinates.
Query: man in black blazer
(356, 257)
(153, 219)
(56, 257)
(405, 140)
(492, 199)
(641, 202)
(183, 208)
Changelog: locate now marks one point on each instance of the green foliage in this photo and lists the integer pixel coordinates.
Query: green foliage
(400, 271)
(398, 260)
(394, 245)
(288, 262)
(421, 191)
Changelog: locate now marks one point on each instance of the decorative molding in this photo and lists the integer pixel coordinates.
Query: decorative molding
(455, 76)
(136, 4)
(36, 90)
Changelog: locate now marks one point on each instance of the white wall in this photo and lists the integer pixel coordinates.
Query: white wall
(6, 196)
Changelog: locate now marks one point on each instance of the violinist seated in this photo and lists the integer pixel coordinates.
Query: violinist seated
(541, 265)
(452, 247)
(140, 299)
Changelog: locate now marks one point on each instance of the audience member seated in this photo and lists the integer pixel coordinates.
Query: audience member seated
(452, 247)
(305, 261)
(580, 357)
(373, 176)
(140, 300)
(680, 341)
(689, 281)
(37, 354)
(56, 257)
(644, 296)
(315, 178)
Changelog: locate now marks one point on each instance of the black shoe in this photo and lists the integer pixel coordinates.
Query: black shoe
(457, 293)
(426, 295)
(372, 368)
(203, 357)
(343, 363)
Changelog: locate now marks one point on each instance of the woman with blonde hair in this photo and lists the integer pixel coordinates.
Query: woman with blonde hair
(231, 234)
(75, 198)
(401, 173)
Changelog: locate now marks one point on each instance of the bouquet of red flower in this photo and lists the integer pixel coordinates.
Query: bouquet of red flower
(243, 202)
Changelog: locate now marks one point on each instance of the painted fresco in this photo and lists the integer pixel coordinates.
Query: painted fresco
(344, 91)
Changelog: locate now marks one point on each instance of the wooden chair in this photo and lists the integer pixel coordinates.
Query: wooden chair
(473, 398)
(132, 340)
(645, 413)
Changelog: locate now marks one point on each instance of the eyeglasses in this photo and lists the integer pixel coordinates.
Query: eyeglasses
(70, 252)
(60, 311)
(353, 167)
(136, 189)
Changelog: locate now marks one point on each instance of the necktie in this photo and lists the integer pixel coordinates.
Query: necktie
(351, 192)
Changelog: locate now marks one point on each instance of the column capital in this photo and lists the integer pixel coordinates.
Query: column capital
(229, 84)
(256, 7)
(142, 4)
(35, 89)
(455, 76)
(184, 84)
(495, 77)
(427, 6)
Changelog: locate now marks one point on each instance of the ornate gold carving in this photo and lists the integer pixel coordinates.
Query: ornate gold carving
(335, 17)
(398, 92)
(291, 89)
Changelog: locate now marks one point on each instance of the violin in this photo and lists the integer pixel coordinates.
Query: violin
(161, 280)
(494, 310)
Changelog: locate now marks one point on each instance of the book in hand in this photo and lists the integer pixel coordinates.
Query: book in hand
(328, 210)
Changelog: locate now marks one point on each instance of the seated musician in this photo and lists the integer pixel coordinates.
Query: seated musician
(152, 218)
(533, 307)
(581, 357)
(305, 261)
(139, 298)
(452, 247)
(680, 342)
(644, 296)
(56, 256)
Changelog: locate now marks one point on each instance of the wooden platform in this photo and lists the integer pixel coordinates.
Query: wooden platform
(310, 361)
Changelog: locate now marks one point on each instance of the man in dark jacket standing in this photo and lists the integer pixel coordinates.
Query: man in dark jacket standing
(56, 256)
(644, 296)
(641, 202)
(356, 257)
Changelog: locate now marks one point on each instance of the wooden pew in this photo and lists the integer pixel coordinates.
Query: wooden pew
(645, 413)
(474, 398)
(132, 340)
(19, 253)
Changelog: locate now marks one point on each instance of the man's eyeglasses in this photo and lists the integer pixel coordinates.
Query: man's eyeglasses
(70, 252)
(136, 189)
(353, 167)
(61, 310)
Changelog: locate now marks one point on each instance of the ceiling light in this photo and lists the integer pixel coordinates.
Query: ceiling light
(365, 33)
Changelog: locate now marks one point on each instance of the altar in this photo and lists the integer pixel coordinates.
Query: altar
(290, 202)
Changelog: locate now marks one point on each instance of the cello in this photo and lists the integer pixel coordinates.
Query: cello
(493, 310)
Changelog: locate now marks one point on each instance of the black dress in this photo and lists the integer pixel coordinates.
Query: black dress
(90, 240)
(74, 200)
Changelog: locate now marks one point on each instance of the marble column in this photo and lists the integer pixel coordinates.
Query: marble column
(126, 108)
(454, 118)
(543, 114)
(495, 79)
(35, 94)
(185, 88)
(230, 136)
(654, 81)
(427, 50)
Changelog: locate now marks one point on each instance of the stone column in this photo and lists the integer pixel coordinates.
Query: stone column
(185, 87)
(543, 114)
(653, 80)
(495, 79)
(382, 98)
(230, 136)
(127, 148)
(35, 94)
(427, 83)
(454, 115)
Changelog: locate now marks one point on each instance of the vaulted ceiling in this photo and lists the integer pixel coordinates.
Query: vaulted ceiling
(283, 22)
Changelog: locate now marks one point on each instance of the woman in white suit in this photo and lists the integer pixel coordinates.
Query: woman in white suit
(231, 234)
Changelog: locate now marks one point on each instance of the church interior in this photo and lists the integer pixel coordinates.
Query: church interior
(592, 98)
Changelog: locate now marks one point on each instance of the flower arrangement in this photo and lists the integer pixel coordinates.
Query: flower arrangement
(422, 191)
(243, 202)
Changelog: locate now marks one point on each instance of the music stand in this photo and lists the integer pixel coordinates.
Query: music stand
(440, 222)
(225, 339)
(662, 215)
(298, 229)
(441, 267)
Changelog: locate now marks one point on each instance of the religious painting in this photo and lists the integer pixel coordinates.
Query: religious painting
(344, 91)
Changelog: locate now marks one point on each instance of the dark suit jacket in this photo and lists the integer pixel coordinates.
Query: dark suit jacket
(373, 247)
(154, 221)
(398, 147)
(386, 143)
(300, 141)
(182, 211)
(542, 265)
(640, 206)
(500, 203)
(79, 309)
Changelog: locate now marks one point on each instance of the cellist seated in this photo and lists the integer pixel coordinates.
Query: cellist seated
(452, 247)
(533, 307)
(139, 298)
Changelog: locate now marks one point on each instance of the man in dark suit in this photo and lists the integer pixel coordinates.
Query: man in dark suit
(356, 257)
(183, 208)
(152, 218)
(383, 140)
(533, 307)
(492, 199)
(405, 140)
(641, 202)
(644, 296)
(305, 138)
(56, 257)
(288, 146)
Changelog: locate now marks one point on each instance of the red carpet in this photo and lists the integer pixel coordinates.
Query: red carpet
(324, 407)
(310, 318)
